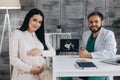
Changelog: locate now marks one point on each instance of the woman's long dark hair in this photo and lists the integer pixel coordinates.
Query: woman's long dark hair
(40, 32)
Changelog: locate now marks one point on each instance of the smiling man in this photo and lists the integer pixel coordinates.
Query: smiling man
(98, 42)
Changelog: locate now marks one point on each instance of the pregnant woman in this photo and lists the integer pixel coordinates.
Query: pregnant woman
(28, 44)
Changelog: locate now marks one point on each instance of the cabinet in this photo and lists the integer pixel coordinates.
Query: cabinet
(54, 38)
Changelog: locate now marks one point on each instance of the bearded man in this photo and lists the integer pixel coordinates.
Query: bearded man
(98, 42)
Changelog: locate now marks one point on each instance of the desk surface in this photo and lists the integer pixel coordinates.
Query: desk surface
(64, 66)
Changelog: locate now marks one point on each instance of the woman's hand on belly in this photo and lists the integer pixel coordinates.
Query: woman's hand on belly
(36, 69)
(34, 52)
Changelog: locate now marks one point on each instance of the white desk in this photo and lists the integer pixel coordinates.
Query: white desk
(63, 66)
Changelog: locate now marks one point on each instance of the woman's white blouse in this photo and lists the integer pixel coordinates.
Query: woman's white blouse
(30, 41)
(20, 43)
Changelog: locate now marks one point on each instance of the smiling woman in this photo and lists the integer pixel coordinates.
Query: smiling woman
(27, 46)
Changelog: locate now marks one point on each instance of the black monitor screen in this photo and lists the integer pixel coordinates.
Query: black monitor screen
(69, 45)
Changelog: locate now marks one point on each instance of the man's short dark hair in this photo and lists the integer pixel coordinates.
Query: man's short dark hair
(96, 13)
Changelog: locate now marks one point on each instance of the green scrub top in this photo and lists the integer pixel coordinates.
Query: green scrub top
(66, 78)
(91, 44)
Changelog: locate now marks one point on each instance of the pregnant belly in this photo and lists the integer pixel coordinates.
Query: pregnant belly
(36, 60)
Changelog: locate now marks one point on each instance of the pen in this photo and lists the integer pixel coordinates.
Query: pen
(80, 65)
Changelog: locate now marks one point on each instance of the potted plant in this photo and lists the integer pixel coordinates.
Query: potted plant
(59, 28)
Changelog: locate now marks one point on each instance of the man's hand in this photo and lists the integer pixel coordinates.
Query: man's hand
(34, 52)
(84, 54)
(36, 69)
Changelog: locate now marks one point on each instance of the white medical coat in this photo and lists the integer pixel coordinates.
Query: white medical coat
(105, 44)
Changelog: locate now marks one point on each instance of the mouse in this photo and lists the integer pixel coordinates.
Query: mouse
(118, 61)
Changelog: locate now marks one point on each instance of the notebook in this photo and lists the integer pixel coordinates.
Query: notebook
(111, 61)
(84, 64)
(69, 45)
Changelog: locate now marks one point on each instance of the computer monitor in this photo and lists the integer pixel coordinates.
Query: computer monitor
(69, 45)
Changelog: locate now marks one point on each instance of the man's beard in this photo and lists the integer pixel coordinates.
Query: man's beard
(95, 31)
